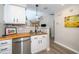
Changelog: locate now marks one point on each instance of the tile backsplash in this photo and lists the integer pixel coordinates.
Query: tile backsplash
(22, 28)
(27, 29)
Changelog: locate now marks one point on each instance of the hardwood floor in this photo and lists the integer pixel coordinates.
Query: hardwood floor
(56, 49)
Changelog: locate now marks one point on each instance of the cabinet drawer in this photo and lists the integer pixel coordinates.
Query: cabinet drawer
(5, 42)
(6, 49)
(6, 52)
(34, 37)
(44, 36)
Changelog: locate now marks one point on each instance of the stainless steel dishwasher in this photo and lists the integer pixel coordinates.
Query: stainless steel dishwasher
(26, 45)
(16, 46)
(21, 46)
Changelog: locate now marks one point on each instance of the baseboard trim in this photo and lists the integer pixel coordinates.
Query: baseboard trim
(67, 47)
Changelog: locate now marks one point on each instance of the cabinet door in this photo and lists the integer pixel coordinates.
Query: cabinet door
(34, 44)
(21, 15)
(18, 14)
(8, 17)
(44, 41)
(14, 14)
(40, 43)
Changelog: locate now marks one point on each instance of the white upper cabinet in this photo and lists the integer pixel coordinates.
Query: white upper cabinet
(14, 14)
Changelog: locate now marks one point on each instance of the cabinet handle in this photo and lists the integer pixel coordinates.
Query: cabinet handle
(43, 36)
(35, 38)
(14, 20)
(41, 41)
(17, 20)
(4, 43)
(4, 49)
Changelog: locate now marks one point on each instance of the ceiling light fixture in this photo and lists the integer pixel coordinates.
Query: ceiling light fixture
(36, 10)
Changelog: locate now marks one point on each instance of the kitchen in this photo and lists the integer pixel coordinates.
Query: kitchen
(31, 29)
(19, 37)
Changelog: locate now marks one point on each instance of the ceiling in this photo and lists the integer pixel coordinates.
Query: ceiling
(47, 8)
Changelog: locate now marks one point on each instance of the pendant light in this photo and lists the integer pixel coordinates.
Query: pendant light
(37, 11)
(36, 26)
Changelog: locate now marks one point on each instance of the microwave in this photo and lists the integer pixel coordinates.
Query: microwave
(10, 30)
(43, 25)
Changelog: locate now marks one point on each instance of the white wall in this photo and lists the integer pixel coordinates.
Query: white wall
(68, 37)
(1, 21)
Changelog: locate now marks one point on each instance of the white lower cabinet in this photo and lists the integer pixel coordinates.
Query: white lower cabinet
(44, 41)
(34, 44)
(38, 43)
(6, 47)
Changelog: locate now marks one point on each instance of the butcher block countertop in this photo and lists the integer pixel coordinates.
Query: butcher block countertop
(38, 33)
(22, 35)
(15, 36)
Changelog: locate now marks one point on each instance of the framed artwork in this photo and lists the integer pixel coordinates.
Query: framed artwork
(10, 30)
(72, 21)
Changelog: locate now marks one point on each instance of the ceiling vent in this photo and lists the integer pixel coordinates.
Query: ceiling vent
(45, 8)
(51, 14)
